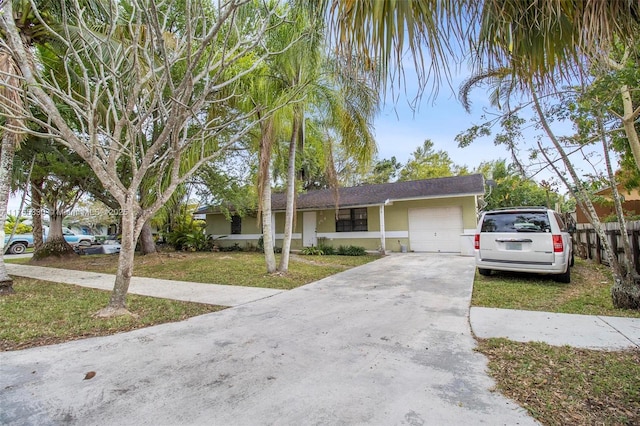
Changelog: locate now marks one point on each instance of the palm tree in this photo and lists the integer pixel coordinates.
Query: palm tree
(544, 37)
(268, 95)
(11, 103)
(341, 97)
(290, 84)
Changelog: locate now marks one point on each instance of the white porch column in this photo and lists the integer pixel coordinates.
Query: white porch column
(383, 238)
(273, 228)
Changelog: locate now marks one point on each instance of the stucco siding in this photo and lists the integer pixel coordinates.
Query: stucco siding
(297, 225)
(397, 217)
(326, 221)
(217, 224)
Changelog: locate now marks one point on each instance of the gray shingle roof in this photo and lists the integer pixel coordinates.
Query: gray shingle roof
(366, 195)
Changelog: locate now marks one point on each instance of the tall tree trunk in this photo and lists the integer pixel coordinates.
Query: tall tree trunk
(147, 243)
(628, 122)
(264, 190)
(7, 152)
(291, 193)
(267, 230)
(55, 244)
(630, 114)
(36, 213)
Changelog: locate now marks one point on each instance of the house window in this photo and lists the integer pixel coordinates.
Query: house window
(351, 220)
(236, 224)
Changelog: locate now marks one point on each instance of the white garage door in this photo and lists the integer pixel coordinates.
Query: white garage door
(435, 229)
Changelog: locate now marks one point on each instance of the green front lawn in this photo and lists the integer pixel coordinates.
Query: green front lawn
(43, 313)
(567, 386)
(231, 268)
(588, 293)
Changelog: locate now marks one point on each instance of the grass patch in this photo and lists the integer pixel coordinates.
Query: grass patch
(567, 386)
(589, 292)
(231, 268)
(44, 313)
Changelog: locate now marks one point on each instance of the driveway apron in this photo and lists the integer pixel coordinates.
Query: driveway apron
(383, 344)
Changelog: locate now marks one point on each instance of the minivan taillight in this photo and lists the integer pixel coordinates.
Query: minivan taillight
(476, 242)
(558, 246)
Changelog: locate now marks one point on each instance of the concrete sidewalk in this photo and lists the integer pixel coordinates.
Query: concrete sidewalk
(213, 294)
(581, 331)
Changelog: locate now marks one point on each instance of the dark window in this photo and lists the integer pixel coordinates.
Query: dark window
(561, 223)
(349, 220)
(236, 224)
(516, 222)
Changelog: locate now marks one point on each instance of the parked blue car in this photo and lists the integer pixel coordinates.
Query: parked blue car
(20, 242)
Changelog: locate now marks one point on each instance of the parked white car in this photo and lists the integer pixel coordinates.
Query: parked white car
(524, 239)
(110, 246)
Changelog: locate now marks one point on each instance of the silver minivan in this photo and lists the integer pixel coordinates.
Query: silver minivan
(524, 239)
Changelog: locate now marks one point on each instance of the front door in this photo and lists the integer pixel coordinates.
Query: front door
(309, 237)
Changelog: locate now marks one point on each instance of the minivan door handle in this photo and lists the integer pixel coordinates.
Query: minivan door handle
(514, 240)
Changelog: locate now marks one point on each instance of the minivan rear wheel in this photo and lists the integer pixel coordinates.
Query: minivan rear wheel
(565, 277)
(484, 272)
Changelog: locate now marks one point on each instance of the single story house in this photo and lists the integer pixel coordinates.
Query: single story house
(605, 207)
(431, 215)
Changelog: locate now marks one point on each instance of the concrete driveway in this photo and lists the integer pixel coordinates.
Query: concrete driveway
(383, 344)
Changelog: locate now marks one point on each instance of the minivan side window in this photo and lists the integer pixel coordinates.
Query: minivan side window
(561, 224)
(516, 222)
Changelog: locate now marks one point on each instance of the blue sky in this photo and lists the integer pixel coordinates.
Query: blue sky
(399, 130)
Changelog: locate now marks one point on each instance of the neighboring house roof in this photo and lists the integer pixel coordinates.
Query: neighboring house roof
(367, 195)
(628, 195)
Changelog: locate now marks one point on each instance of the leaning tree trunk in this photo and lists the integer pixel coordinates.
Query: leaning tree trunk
(55, 245)
(147, 243)
(7, 152)
(9, 95)
(617, 270)
(291, 193)
(625, 292)
(628, 123)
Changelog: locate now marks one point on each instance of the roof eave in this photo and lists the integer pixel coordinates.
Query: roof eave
(385, 202)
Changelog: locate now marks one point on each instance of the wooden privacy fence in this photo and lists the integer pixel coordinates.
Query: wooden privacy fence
(587, 244)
